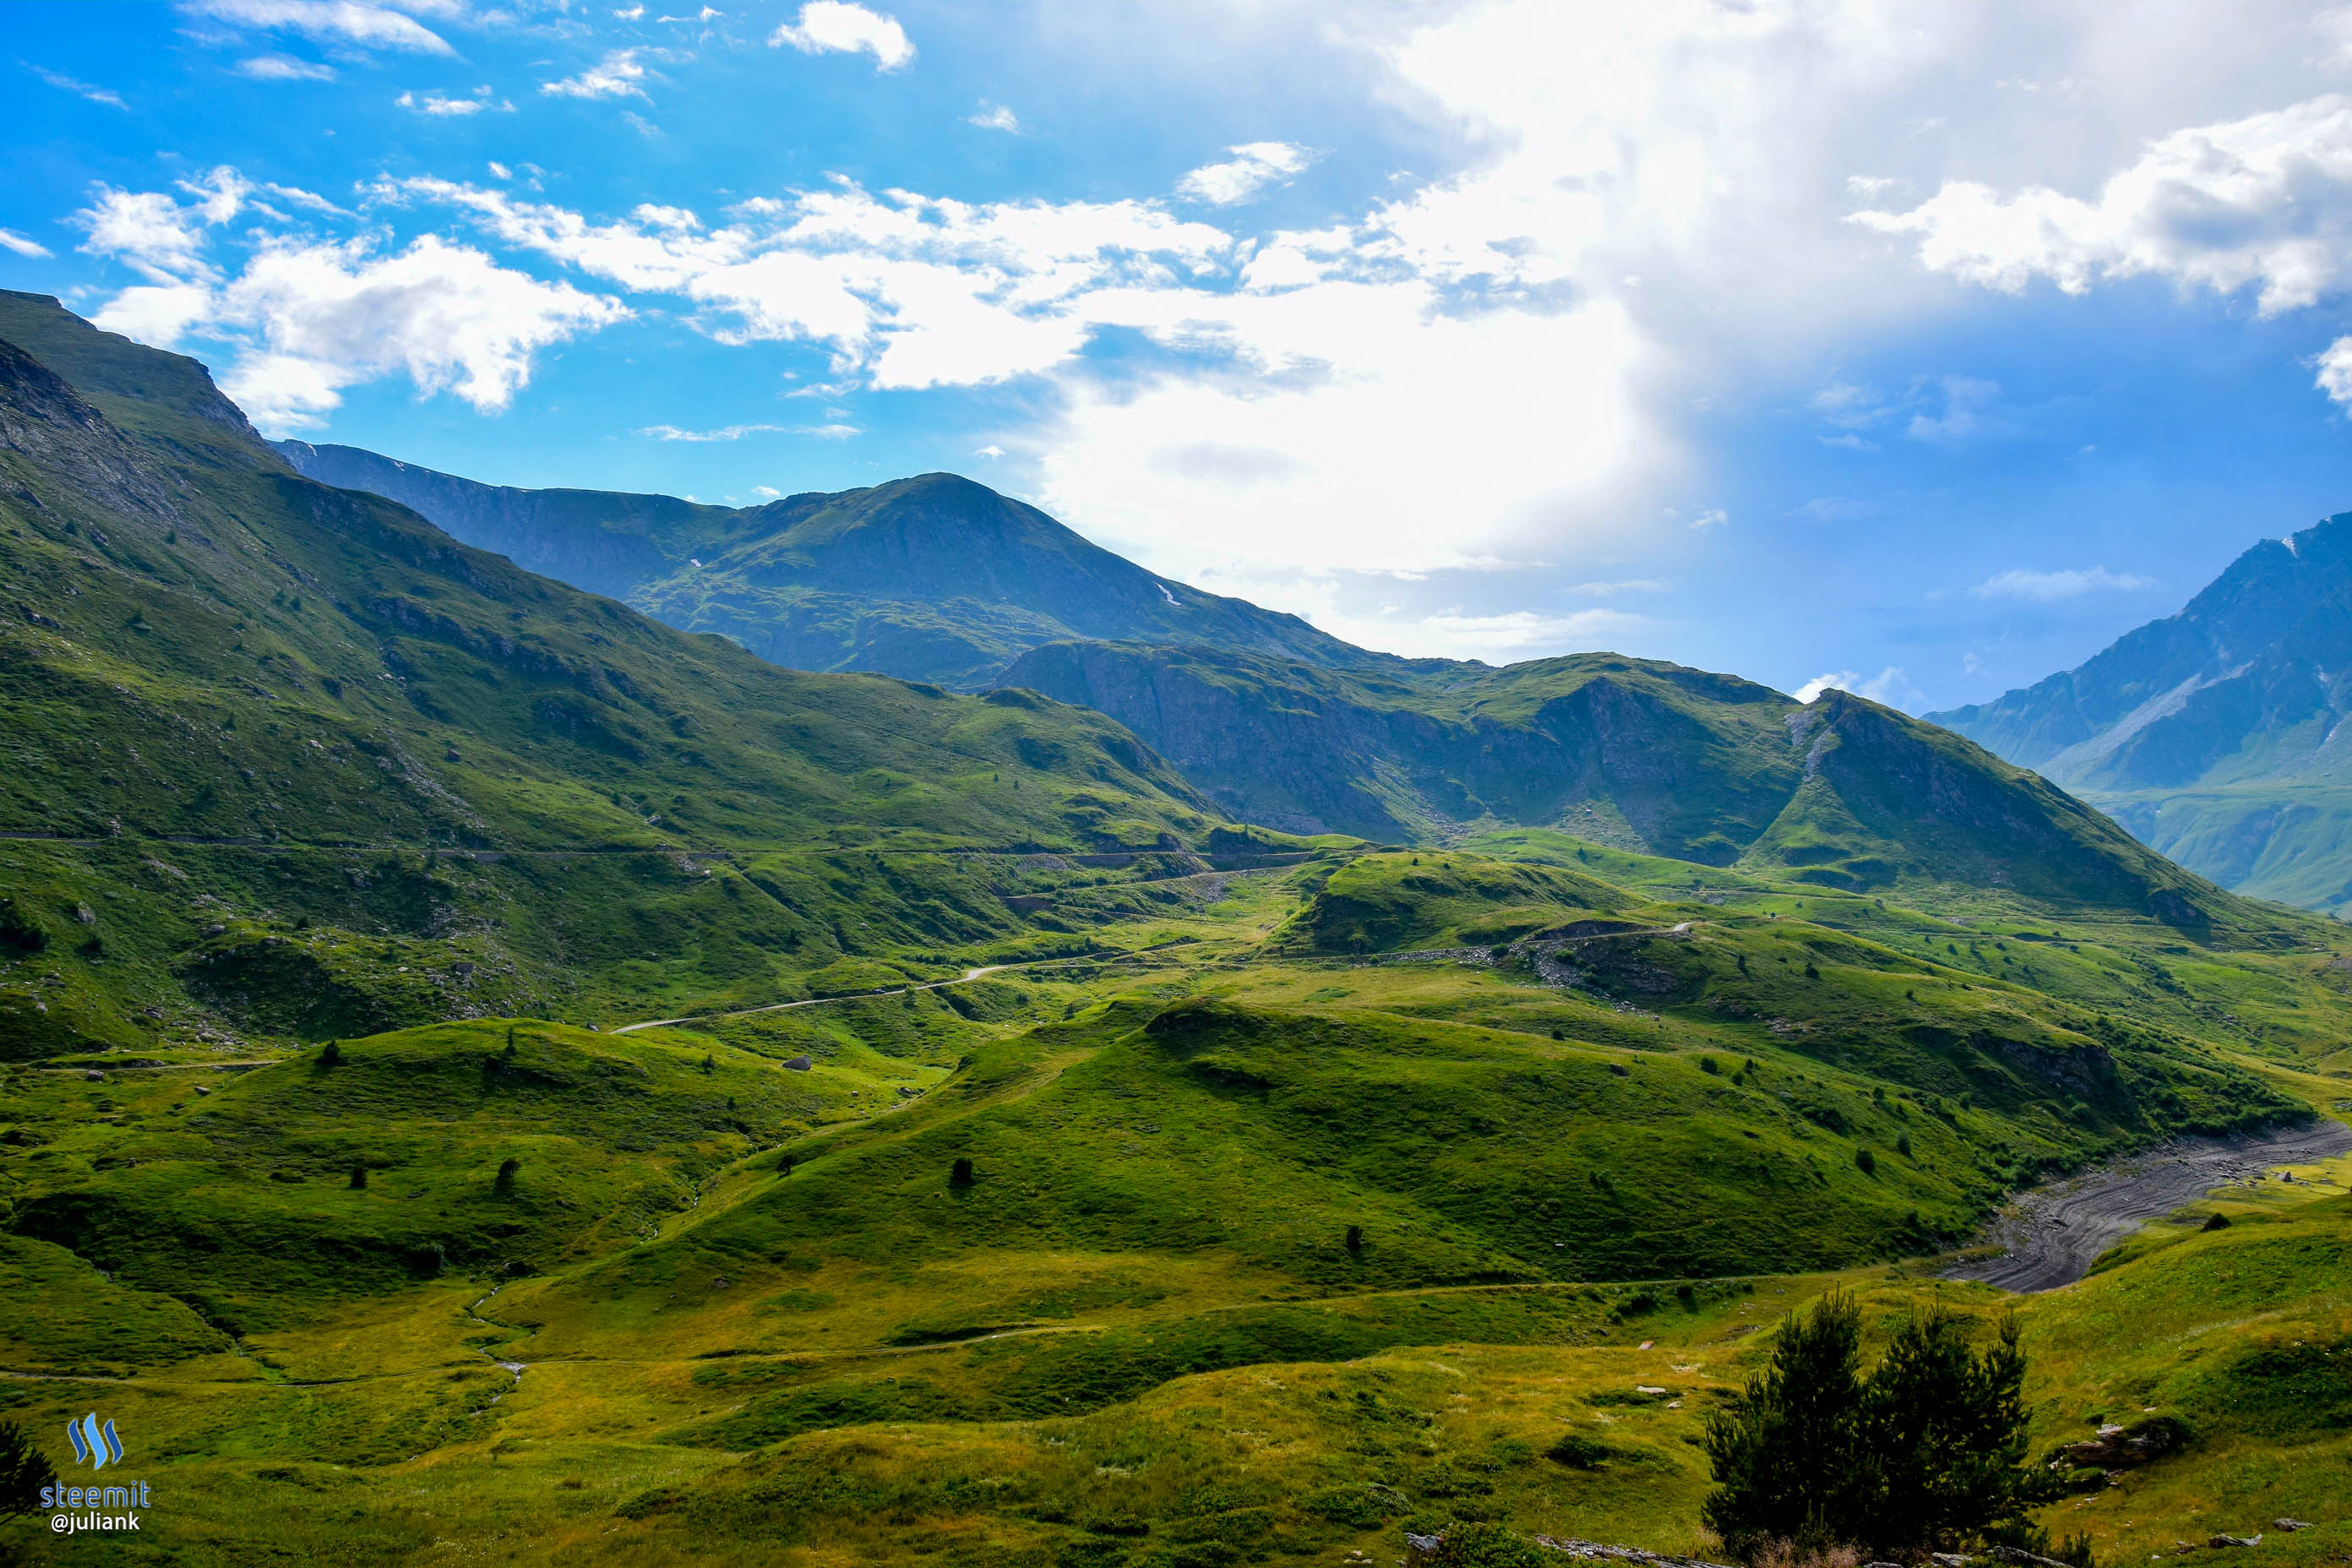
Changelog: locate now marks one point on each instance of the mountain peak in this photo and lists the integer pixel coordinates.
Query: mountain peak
(933, 577)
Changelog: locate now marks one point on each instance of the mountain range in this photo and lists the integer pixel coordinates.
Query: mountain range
(933, 578)
(2215, 734)
(472, 1048)
(1285, 726)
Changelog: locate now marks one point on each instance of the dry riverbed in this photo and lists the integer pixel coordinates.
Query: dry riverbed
(2052, 1236)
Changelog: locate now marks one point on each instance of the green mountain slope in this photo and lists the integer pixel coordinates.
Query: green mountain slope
(2212, 734)
(1647, 756)
(288, 756)
(931, 578)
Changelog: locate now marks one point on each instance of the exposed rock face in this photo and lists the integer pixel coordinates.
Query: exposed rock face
(2216, 733)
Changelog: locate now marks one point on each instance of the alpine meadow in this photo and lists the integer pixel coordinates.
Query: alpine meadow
(910, 1017)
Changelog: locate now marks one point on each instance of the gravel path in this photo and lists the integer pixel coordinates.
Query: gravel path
(2053, 1234)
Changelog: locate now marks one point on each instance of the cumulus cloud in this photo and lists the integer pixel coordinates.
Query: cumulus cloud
(836, 27)
(329, 21)
(2049, 587)
(64, 83)
(618, 75)
(995, 117)
(22, 245)
(2262, 203)
(2334, 364)
(1254, 168)
(308, 318)
(283, 67)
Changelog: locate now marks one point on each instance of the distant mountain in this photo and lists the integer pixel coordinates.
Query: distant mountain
(933, 578)
(939, 579)
(1654, 757)
(2216, 734)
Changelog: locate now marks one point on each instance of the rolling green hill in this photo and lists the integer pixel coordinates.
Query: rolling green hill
(931, 578)
(287, 759)
(2212, 734)
(480, 1065)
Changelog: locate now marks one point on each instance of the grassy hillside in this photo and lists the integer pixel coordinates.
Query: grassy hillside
(931, 578)
(479, 1064)
(287, 761)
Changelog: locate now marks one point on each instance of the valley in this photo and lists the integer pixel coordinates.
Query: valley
(487, 1070)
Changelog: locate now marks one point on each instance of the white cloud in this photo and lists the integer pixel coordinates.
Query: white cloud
(283, 67)
(2263, 202)
(1255, 167)
(440, 106)
(730, 433)
(333, 21)
(990, 450)
(617, 75)
(2049, 587)
(834, 432)
(630, 14)
(2334, 364)
(1630, 586)
(154, 235)
(1713, 517)
(308, 318)
(63, 83)
(995, 117)
(1505, 637)
(838, 26)
(1890, 687)
(333, 315)
(769, 491)
(22, 245)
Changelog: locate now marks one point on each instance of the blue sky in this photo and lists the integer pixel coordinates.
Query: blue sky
(1923, 348)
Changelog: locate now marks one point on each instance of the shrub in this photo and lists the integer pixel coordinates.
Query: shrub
(24, 1471)
(1866, 1161)
(333, 1054)
(1355, 1239)
(959, 1174)
(1708, 1065)
(1478, 1545)
(1924, 1452)
(1577, 1453)
(359, 1176)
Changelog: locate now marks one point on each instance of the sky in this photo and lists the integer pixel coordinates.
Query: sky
(1920, 348)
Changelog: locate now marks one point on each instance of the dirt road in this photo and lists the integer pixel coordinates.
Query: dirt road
(2053, 1234)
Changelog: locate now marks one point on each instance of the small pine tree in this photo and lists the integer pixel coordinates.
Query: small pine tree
(710, 1065)
(359, 1176)
(1866, 1161)
(959, 1174)
(1786, 1454)
(333, 1055)
(1355, 1240)
(24, 1471)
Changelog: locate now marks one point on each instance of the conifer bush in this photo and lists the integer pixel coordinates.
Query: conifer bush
(1924, 1452)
